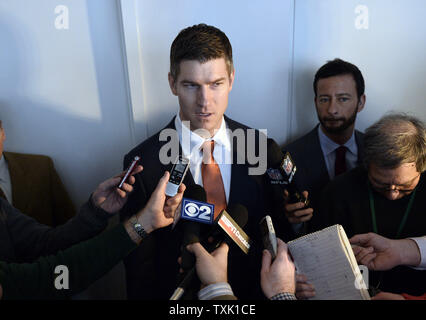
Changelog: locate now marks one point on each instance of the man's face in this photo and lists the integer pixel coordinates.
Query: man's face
(337, 103)
(203, 90)
(394, 183)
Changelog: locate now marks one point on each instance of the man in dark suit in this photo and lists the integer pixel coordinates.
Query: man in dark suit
(333, 146)
(386, 195)
(201, 76)
(31, 184)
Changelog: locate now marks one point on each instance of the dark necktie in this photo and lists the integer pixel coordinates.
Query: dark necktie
(212, 179)
(340, 164)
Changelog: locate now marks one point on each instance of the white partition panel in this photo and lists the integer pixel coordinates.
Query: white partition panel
(385, 39)
(261, 34)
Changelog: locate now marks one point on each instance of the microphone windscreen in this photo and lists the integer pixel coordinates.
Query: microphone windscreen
(195, 192)
(239, 213)
(274, 153)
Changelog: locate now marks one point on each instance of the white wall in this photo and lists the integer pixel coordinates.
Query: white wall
(390, 54)
(63, 92)
(261, 34)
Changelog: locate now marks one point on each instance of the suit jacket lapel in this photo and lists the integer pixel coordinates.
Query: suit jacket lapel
(237, 171)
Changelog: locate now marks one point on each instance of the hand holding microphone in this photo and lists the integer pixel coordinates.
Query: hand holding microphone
(282, 171)
(297, 212)
(211, 267)
(226, 228)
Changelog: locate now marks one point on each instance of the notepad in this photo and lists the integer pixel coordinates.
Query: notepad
(326, 258)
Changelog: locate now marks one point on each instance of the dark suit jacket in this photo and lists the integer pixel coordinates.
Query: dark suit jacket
(23, 239)
(312, 174)
(87, 262)
(37, 189)
(151, 270)
(345, 201)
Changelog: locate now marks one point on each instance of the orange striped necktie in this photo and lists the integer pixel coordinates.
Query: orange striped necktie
(212, 179)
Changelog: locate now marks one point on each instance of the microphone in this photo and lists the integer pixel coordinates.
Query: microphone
(230, 224)
(191, 228)
(226, 223)
(281, 171)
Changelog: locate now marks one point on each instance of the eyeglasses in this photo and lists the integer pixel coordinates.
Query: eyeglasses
(391, 187)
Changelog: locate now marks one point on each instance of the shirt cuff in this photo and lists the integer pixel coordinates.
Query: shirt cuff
(284, 296)
(215, 290)
(421, 243)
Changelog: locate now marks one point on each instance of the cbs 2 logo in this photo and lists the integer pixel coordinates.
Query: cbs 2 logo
(198, 211)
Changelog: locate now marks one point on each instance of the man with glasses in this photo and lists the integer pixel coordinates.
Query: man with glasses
(387, 195)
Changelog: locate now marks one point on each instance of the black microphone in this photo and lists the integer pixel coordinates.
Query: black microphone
(226, 223)
(228, 228)
(191, 229)
(281, 171)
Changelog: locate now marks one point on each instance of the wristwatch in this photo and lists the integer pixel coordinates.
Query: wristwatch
(138, 228)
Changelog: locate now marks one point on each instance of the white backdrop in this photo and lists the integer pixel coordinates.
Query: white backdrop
(390, 53)
(86, 95)
(261, 36)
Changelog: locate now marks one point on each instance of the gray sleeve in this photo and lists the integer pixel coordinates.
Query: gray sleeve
(421, 243)
(31, 239)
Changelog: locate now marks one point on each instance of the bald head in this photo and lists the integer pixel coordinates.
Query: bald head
(394, 140)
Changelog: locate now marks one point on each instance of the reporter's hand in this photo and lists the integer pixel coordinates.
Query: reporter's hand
(211, 268)
(109, 197)
(304, 290)
(296, 212)
(380, 253)
(279, 276)
(158, 213)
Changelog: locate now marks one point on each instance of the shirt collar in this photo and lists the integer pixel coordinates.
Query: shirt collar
(221, 137)
(330, 146)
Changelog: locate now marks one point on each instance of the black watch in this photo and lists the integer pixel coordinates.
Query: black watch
(139, 229)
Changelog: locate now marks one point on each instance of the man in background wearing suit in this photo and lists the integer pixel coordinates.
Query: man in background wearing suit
(201, 76)
(31, 184)
(333, 146)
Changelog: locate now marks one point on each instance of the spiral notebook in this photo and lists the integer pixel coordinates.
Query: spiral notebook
(327, 260)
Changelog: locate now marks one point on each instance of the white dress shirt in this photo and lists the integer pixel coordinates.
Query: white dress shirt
(5, 182)
(329, 147)
(191, 144)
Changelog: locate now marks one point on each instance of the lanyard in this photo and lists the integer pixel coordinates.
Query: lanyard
(404, 218)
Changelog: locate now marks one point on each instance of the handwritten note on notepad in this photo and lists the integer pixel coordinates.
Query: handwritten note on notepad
(326, 259)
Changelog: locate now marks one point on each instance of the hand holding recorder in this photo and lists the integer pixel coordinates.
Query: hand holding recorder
(109, 196)
(158, 212)
(277, 276)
